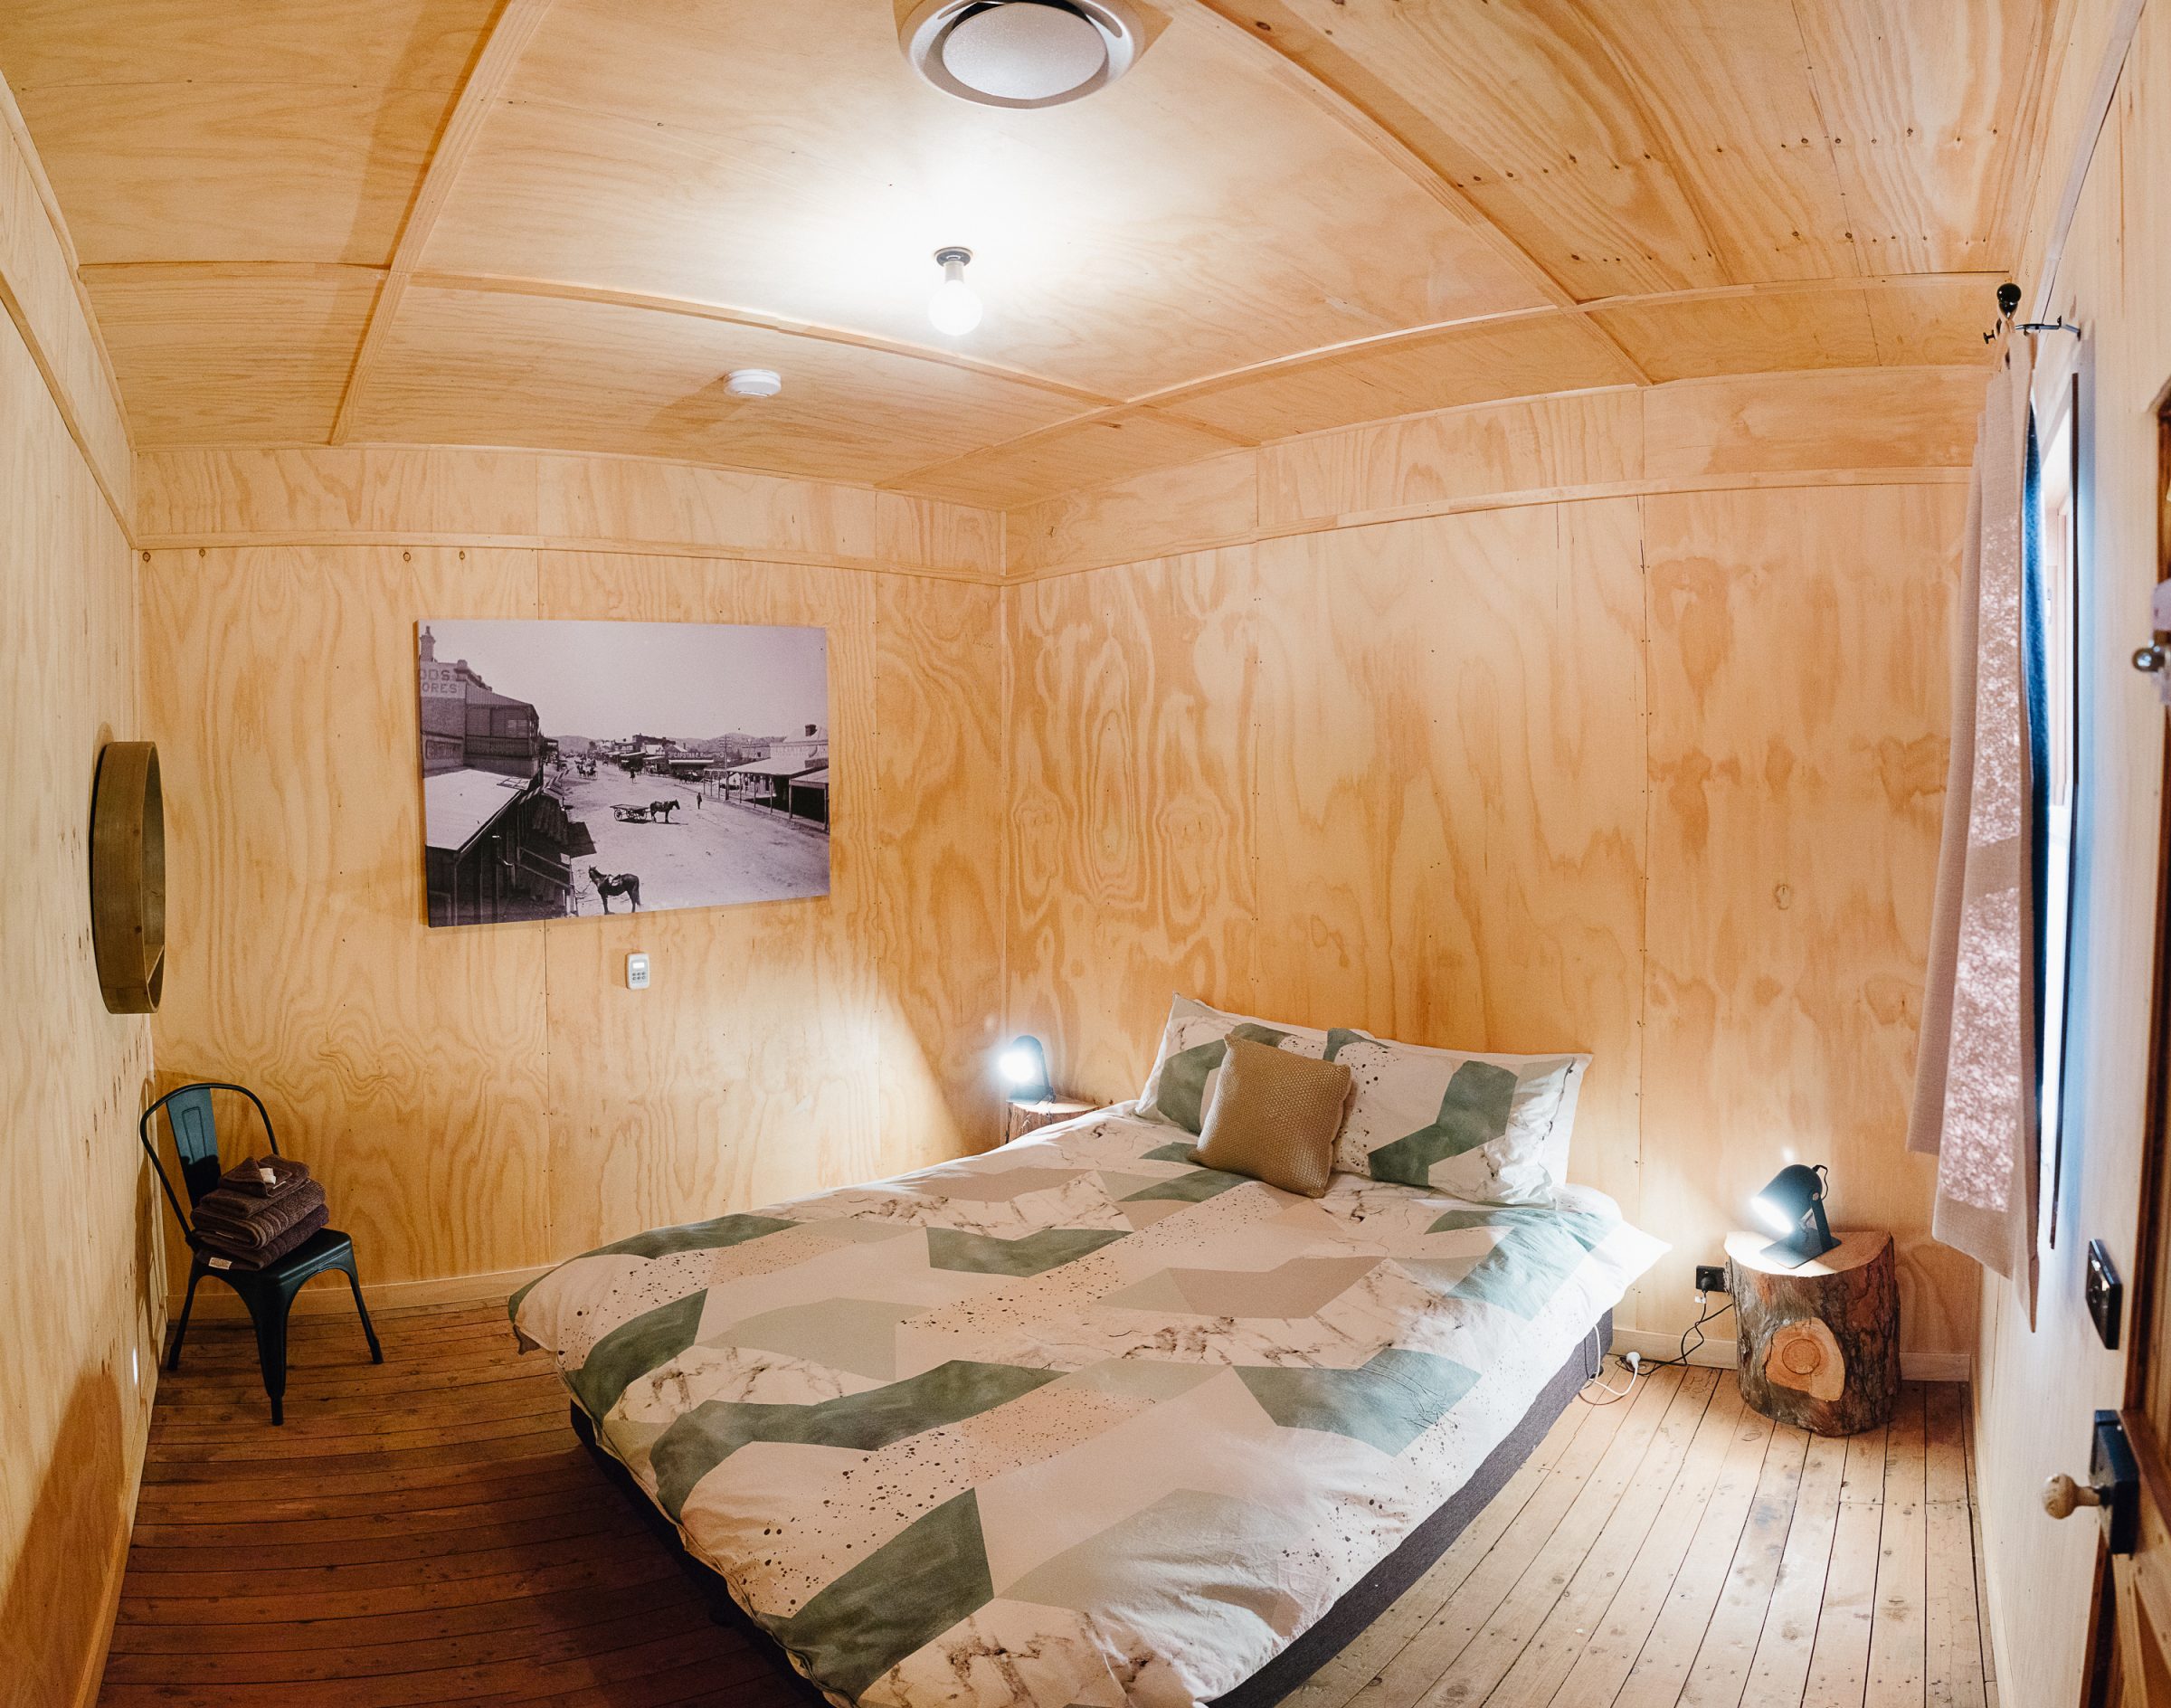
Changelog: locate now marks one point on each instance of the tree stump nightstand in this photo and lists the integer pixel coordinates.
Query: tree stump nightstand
(1021, 1117)
(1819, 1345)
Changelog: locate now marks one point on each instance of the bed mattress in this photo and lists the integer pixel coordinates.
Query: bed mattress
(1078, 1421)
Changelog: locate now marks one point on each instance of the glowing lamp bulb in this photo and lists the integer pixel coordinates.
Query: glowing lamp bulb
(1023, 1067)
(955, 306)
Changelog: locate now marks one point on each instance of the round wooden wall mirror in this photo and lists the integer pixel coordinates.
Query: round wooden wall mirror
(128, 876)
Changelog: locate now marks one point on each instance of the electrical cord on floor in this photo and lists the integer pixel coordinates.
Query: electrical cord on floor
(1695, 1328)
(1639, 1367)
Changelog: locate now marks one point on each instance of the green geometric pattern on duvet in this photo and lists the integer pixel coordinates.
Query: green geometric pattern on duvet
(1389, 1401)
(1181, 1092)
(1472, 1113)
(1177, 1153)
(633, 1349)
(701, 1439)
(695, 1236)
(1195, 1188)
(1034, 1254)
(916, 1586)
(1538, 1251)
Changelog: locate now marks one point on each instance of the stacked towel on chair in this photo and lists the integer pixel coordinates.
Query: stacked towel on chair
(251, 1230)
(248, 1177)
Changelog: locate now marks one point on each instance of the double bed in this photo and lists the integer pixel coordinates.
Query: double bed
(1080, 1420)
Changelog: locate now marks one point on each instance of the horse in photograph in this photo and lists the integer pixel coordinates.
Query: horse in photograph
(610, 884)
(661, 811)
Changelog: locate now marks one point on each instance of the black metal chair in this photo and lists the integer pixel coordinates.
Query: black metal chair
(269, 1292)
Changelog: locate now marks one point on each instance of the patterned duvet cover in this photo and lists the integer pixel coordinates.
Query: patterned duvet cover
(1075, 1422)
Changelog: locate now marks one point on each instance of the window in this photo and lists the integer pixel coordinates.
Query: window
(2054, 729)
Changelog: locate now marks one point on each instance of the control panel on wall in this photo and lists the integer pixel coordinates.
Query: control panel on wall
(637, 973)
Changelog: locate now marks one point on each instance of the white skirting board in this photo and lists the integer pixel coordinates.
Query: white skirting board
(329, 1293)
(1719, 1354)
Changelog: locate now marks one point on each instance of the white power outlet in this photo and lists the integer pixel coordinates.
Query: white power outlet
(637, 973)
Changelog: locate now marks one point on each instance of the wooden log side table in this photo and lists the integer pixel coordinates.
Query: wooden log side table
(1021, 1117)
(1818, 1345)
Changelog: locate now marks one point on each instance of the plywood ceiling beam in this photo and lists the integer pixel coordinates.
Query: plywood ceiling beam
(1231, 18)
(509, 36)
(729, 316)
(1171, 398)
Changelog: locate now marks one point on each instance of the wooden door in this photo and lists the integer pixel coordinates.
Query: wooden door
(2131, 1480)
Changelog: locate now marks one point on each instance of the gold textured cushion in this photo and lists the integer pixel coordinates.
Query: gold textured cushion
(1273, 1117)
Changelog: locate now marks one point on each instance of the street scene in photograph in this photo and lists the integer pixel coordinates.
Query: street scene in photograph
(614, 767)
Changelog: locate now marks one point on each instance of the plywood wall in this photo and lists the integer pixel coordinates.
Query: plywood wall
(2043, 1378)
(79, 1228)
(486, 1099)
(1655, 773)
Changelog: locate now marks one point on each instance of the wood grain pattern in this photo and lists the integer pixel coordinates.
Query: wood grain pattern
(406, 1065)
(1451, 800)
(1807, 429)
(41, 293)
(483, 1100)
(479, 1555)
(510, 29)
(78, 1218)
(1131, 802)
(240, 495)
(775, 200)
(255, 356)
(1799, 705)
(1633, 1559)
(939, 912)
(1463, 830)
(1290, 217)
(491, 369)
(2039, 1573)
(176, 132)
(1675, 1551)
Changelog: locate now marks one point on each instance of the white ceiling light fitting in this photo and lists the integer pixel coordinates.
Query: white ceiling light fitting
(753, 382)
(1022, 52)
(955, 306)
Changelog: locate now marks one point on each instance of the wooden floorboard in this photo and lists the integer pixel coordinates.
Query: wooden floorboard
(427, 1533)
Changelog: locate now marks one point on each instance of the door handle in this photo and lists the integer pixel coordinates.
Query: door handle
(2062, 1497)
(2113, 1488)
(2155, 659)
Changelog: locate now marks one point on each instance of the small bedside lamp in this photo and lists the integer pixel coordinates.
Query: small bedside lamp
(1024, 1068)
(1793, 1208)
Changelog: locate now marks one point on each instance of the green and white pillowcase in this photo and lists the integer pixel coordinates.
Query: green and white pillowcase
(1193, 1045)
(1492, 1129)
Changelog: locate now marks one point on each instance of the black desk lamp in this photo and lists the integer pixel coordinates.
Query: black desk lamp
(1793, 1208)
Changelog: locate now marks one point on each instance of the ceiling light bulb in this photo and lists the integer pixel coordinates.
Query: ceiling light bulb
(955, 306)
(753, 382)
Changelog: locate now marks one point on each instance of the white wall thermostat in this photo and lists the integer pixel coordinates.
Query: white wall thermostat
(637, 973)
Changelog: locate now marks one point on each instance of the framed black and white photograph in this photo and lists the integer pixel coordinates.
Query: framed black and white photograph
(612, 767)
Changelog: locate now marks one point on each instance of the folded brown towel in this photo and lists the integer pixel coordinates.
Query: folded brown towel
(225, 1255)
(243, 1178)
(250, 1224)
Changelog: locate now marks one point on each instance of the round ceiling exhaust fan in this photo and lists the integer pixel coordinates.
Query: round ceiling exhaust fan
(1022, 52)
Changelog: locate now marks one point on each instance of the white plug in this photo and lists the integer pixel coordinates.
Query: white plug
(1634, 1362)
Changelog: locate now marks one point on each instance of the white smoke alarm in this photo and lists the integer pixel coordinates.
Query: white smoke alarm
(753, 382)
(1021, 53)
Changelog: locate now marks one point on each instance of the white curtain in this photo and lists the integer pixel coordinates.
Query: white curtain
(1975, 1093)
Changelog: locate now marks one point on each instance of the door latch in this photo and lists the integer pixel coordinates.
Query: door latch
(2113, 1487)
(2155, 659)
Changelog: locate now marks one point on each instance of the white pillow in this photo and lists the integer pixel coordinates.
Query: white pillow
(1492, 1129)
(1193, 1045)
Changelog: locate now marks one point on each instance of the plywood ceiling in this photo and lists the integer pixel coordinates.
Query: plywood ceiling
(561, 222)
